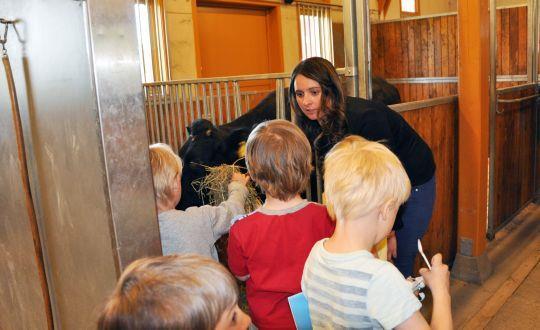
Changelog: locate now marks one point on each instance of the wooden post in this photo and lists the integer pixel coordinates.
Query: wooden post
(474, 105)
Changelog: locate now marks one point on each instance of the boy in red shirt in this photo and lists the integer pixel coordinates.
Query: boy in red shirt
(268, 247)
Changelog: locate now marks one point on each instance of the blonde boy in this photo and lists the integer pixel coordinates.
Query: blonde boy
(196, 229)
(174, 292)
(269, 247)
(346, 286)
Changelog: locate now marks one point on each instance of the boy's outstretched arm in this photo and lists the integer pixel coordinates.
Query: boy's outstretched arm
(437, 279)
(221, 215)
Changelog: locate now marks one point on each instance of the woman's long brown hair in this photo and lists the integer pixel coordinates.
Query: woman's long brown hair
(332, 124)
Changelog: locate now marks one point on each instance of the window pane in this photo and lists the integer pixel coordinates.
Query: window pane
(143, 35)
(316, 32)
(408, 6)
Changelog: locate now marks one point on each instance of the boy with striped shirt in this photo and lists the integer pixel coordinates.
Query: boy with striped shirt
(345, 285)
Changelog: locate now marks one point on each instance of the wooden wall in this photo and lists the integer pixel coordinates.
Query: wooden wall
(438, 127)
(416, 48)
(427, 47)
(512, 41)
(515, 135)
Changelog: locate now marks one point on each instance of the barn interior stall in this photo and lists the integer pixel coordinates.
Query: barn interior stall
(172, 105)
(426, 71)
(192, 67)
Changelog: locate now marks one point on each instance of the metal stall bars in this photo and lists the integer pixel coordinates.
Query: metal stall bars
(171, 106)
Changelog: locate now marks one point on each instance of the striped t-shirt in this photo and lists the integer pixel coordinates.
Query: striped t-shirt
(355, 290)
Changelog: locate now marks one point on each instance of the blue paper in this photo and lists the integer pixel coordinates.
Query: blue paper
(300, 311)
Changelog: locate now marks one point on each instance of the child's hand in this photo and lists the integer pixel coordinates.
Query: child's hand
(438, 278)
(239, 177)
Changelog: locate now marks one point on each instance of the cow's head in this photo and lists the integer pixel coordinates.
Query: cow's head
(204, 145)
(213, 146)
(207, 145)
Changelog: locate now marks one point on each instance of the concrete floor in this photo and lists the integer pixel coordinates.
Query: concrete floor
(510, 297)
(522, 309)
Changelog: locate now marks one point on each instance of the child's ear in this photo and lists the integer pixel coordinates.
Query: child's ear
(387, 211)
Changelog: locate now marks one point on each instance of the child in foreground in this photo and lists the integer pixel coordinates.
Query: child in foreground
(345, 285)
(174, 292)
(269, 247)
(196, 229)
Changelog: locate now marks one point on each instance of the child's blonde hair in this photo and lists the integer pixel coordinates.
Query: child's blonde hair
(166, 165)
(170, 292)
(360, 175)
(278, 158)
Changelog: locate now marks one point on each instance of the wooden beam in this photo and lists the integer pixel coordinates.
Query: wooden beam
(473, 74)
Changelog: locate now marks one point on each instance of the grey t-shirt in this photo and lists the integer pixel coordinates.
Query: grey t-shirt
(196, 229)
(355, 290)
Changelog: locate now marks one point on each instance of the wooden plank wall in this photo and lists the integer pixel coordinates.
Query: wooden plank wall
(416, 48)
(515, 156)
(512, 41)
(427, 47)
(438, 127)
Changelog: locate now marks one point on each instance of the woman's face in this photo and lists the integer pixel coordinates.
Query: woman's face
(308, 96)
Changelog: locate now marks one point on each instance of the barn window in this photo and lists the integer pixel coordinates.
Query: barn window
(409, 8)
(316, 31)
(152, 40)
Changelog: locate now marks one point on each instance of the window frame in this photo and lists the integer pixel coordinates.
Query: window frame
(324, 25)
(407, 13)
(158, 41)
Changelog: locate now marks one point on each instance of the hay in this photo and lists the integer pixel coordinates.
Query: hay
(214, 187)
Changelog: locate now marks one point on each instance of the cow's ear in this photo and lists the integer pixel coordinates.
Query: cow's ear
(188, 129)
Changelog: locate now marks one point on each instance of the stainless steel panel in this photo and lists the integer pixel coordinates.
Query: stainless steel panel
(357, 49)
(89, 160)
(113, 34)
(60, 121)
(22, 303)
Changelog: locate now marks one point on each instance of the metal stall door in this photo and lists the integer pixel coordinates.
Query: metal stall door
(76, 71)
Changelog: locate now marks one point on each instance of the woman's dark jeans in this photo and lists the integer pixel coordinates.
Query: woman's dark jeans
(415, 215)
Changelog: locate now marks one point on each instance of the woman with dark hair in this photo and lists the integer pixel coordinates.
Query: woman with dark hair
(326, 116)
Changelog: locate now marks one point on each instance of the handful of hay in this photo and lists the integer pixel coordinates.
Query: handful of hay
(214, 187)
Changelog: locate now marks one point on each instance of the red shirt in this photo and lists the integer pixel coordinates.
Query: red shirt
(272, 247)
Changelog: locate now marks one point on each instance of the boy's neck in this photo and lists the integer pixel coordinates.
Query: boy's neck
(272, 203)
(353, 235)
